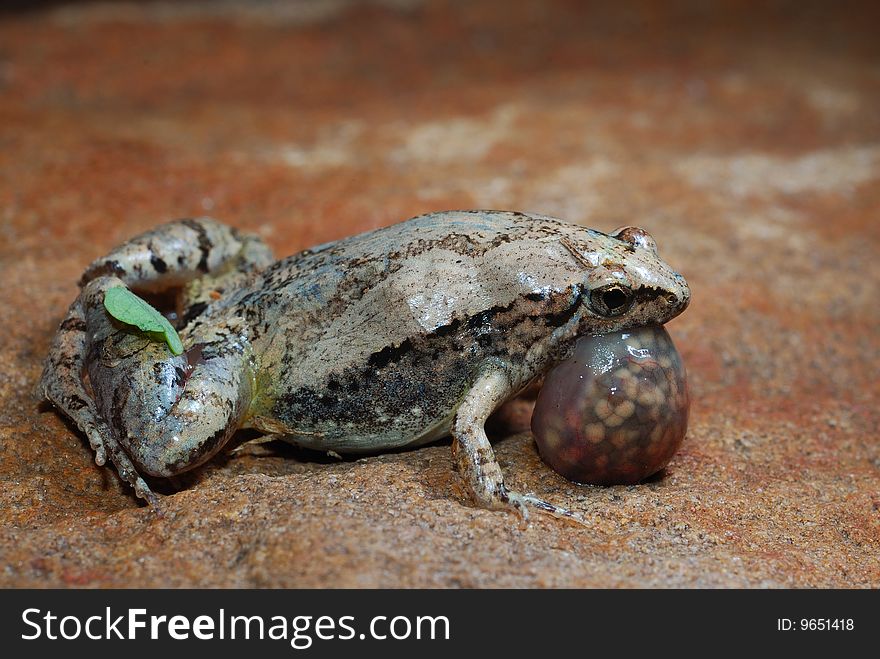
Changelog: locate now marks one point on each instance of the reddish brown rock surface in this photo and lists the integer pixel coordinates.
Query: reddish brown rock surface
(746, 140)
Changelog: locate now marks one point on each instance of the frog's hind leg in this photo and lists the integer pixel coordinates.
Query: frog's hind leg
(170, 256)
(147, 410)
(473, 454)
(175, 253)
(62, 384)
(199, 256)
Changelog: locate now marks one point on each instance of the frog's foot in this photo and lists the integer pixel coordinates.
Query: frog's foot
(475, 460)
(145, 409)
(129, 473)
(501, 498)
(553, 509)
(105, 445)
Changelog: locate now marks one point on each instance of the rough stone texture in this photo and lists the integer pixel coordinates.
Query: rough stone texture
(746, 139)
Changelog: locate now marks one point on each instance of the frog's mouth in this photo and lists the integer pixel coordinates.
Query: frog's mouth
(621, 308)
(667, 304)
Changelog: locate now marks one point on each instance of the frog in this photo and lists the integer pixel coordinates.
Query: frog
(391, 339)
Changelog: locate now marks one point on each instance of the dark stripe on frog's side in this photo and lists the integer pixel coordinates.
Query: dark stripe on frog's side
(429, 371)
(388, 355)
(390, 391)
(493, 335)
(569, 301)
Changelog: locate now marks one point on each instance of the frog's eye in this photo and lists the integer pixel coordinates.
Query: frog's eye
(611, 300)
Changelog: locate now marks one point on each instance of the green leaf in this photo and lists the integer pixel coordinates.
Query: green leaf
(128, 308)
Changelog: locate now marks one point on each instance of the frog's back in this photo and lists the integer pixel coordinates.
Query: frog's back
(420, 272)
(358, 333)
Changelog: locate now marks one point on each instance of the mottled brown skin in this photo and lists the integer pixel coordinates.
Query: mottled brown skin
(616, 411)
(388, 339)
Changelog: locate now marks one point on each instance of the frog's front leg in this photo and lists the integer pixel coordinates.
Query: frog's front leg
(473, 455)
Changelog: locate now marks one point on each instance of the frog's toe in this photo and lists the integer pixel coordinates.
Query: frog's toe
(143, 491)
(97, 444)
(126, 470)
(522, 503)
(130, 475)
(551, 509)
(516, 502)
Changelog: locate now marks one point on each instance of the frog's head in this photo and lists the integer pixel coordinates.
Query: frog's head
(627, 283)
